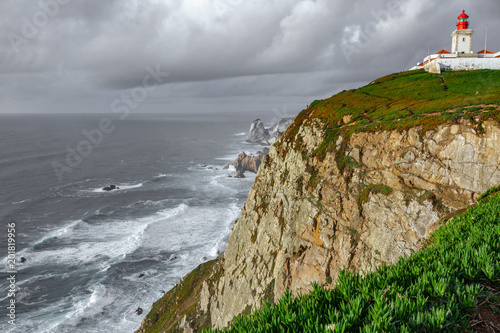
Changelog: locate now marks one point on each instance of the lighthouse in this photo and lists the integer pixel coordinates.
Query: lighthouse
(462, 37)
(461, 57)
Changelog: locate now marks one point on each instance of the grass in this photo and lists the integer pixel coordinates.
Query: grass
(399, 102)
(438, 289)
(183, 300)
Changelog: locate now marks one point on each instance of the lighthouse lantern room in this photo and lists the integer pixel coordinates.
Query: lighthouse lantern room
(462, 37)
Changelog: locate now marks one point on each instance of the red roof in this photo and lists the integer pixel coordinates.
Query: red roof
(487, 52)
(443, 52)
(463, 15)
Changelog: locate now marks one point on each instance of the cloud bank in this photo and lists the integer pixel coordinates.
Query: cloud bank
(77, 56)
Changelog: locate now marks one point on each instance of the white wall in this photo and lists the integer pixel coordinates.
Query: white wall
(462, 64)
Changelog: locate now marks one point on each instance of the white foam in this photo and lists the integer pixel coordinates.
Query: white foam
(162, 175)
(90, 306)
(20, 202)
(120, 187)
(98, 244)
(241, 134)
(61, 232)
(58, 232)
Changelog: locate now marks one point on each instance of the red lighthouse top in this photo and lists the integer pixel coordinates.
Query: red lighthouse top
(462, 21)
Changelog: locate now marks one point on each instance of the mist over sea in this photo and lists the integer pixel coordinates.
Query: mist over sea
(94, 257)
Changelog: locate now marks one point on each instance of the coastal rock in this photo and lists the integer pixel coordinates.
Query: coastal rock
(280, 127)
(267, 136)
(258, 133)
(139, 311)
(245, 162)
(110, 188)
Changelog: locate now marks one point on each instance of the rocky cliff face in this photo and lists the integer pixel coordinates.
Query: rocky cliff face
(324, 200)
(305, 219)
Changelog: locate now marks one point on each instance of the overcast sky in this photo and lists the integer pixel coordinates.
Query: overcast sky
(215, 55)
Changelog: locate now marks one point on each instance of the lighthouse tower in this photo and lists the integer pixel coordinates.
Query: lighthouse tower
(462, 37)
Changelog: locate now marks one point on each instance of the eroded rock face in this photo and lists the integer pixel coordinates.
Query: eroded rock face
(267, 136)
(258, 133)
(307, 218)
(279, 128)
(246, 162)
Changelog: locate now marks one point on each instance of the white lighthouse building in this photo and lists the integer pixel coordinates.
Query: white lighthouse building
(462, 37)
(461, 56)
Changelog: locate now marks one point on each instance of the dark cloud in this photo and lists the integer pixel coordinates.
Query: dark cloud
(64, 55)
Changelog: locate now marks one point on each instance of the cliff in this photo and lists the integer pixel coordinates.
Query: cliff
(357, 180)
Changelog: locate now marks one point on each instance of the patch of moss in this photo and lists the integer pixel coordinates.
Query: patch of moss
(183, 300)
(254, 237)
(300, 184)
(313, 177)
(373, 189)
(269, 293)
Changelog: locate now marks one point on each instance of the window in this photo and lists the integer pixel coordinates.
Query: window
(463, 39)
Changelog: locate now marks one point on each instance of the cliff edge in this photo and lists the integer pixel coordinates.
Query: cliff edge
(357, 180)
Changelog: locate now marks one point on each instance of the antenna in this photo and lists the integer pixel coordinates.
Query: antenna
(485, 40)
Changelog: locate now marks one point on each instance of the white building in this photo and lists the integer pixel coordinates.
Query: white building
(461, 56)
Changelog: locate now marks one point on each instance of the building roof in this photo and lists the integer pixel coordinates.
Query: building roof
(443, 52)
(463, 15)
(487, 52)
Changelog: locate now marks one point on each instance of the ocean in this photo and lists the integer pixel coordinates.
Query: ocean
(93, 257)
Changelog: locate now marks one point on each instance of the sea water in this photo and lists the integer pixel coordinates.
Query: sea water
(94, 257)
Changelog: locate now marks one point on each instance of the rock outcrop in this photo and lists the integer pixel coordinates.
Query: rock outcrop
(246, 162)
(110, 188)
(267, 136)
(258, 133)
(279, 128)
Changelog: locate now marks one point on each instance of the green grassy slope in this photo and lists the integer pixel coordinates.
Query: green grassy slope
(401, 101)
(437, 289)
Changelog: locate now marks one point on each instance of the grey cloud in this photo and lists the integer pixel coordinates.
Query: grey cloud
(219, 48)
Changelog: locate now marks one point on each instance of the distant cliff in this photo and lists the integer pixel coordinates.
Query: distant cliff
(357, 180)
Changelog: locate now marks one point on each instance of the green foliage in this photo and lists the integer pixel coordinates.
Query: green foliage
(490, 192)
(313, 104)
(434, 290)
(369, 189)
(182, 299)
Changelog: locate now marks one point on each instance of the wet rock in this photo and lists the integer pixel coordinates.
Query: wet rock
(258, 133)
(245, 162)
